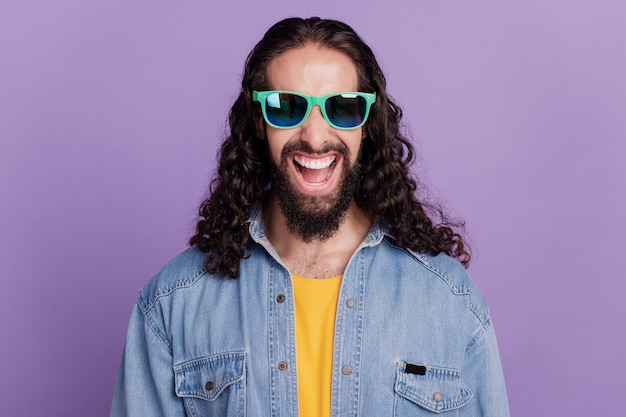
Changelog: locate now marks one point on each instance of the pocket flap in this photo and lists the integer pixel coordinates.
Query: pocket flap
(207, 377)
(437, 390)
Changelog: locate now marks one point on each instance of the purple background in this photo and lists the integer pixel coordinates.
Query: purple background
(110, 113)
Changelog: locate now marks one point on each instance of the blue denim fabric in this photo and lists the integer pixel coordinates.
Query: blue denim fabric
(200, 345)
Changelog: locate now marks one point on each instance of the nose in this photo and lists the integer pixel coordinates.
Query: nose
(315, 128)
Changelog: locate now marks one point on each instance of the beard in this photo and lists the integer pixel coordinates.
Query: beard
(314, 218)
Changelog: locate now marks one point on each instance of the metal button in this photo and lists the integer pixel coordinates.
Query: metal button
(208, 386)
(351, 302)
(280, 298)
(437, 396)
(346, 370)
(282, 366)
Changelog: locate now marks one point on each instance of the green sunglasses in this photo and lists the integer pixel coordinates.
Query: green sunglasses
(288, 109)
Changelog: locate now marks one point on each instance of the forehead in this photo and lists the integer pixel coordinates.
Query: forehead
(314, 70)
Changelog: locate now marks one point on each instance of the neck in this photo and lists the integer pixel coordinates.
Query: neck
(317, 258)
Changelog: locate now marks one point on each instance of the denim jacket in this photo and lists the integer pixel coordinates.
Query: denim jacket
(413, 337)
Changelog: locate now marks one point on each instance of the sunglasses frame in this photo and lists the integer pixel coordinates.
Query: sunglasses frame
(319, 101)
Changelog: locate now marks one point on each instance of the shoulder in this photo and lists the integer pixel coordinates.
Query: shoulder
(450, 273)
(183, 271)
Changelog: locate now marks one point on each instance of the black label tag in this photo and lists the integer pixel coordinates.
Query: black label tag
(409, 368)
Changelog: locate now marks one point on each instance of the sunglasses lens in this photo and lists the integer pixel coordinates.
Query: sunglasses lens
(285, 109)
(346, 110)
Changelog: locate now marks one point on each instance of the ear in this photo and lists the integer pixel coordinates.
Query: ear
(259, 124)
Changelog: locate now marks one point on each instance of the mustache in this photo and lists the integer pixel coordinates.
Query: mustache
(299, 145)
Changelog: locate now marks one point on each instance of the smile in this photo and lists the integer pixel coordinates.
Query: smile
(315, 171)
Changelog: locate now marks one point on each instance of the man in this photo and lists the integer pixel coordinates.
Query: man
(316, 284)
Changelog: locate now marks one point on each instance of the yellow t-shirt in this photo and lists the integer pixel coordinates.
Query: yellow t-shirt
(316, 308)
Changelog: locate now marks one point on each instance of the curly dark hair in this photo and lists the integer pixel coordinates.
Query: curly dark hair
(387, 192)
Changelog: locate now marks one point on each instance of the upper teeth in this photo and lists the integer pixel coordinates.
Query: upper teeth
(315, 163)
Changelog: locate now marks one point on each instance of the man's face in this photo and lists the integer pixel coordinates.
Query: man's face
(315, 170)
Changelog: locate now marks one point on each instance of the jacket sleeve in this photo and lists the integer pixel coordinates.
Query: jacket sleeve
(485, 379)
(145, 383)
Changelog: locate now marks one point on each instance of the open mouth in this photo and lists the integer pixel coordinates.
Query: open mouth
(315, 172)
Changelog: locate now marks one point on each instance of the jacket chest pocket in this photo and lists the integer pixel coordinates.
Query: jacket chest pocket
(213, 385)
(422, 390)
